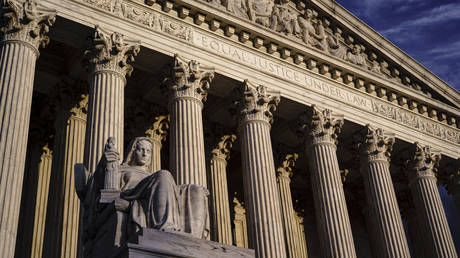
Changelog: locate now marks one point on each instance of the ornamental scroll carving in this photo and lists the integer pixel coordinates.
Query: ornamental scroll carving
(423, 162)
(222, 150)
(189, 79)
(147, 18)
(375, 144)
(256, 102)
(26, 21)
(320, 126)
(287, 164)
(415, 121)
(111, 52)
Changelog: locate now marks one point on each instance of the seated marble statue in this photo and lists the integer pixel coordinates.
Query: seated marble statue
(152, 199)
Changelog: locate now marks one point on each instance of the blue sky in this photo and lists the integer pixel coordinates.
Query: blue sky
(427, 30)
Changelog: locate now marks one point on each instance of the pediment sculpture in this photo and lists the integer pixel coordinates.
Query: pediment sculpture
(149, 199)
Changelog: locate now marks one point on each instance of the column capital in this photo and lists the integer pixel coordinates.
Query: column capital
(71, 97)
(26, 22)
(189, 79)
(256, 103)
(287, 164)
(159, 129)
(375, 144)
(111, 52)
(423, 162)
(222, 150)
(320, 126)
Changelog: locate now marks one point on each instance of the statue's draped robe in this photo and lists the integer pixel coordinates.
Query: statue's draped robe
(157, 202)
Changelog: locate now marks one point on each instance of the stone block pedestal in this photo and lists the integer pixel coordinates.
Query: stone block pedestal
(158, 244)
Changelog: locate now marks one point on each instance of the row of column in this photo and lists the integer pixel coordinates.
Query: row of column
(109, 57)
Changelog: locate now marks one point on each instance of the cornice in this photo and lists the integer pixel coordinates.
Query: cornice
(389, 49)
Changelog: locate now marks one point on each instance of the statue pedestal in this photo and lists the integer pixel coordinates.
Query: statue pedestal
(152, 243)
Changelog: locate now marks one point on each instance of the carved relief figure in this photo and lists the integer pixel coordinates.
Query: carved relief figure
(312, 34)
(356, 57)
(238, 7)
(335, 46)
(283, 19)
(260, 11)
(151, 199)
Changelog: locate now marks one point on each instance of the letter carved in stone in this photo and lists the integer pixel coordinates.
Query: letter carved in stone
(27, 22)
(112, 52)
(189, 79)
(258, 103)
(375, 144)
(320, 126)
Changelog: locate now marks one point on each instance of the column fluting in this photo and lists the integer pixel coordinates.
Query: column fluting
(157, 133)
(321, 129)
(261, 192)
(389, 239)
(291, 234)
(301, 242)
(435, 232)
(24, 27)
(220, 205)
(108, 57)
(44, 173)
(64, 206)
(187, 86)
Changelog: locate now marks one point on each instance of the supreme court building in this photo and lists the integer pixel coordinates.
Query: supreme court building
(315, 136)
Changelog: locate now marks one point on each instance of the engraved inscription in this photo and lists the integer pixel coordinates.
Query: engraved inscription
(279, 70)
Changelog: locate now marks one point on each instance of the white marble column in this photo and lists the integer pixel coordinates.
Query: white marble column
(435, 232)
(44, 172)
(301, 241)
(291, 234)
(389, 239)
(157, 133)
(220, 205)
(108, 55)
(64, 206)
(187, 84)
(240, 227)
(264, 218)
(321, 129)
(24, 27)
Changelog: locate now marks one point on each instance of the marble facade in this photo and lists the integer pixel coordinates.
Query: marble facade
(261, 102)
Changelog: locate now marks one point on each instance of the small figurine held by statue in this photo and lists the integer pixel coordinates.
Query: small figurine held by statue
(149, 199)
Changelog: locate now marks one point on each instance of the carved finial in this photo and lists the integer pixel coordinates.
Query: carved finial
(189, 79)
(320, 126)
(111, 52)
(287, 164)
(159, 129)
(375, 144)
(26, 21)
(423, 162)
(257, 102)
(223, 147)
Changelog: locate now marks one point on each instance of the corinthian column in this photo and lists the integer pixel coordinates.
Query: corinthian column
(222, 230)
(435, 232)
(301, 241)
(264, 218)
(64, 205)
(291, 234)
(108, 55)
(321, 129)
(24, 27)
(389, 237)
(240, 230)
(157, 133)
(188, 85)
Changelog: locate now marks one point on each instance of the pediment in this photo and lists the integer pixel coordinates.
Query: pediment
(329, 28)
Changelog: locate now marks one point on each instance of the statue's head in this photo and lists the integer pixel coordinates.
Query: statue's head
(140, 153)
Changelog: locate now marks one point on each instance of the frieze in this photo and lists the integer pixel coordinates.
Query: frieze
(160, 23)
(146, 18)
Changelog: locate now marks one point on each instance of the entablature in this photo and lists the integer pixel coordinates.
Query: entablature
(169, 29)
